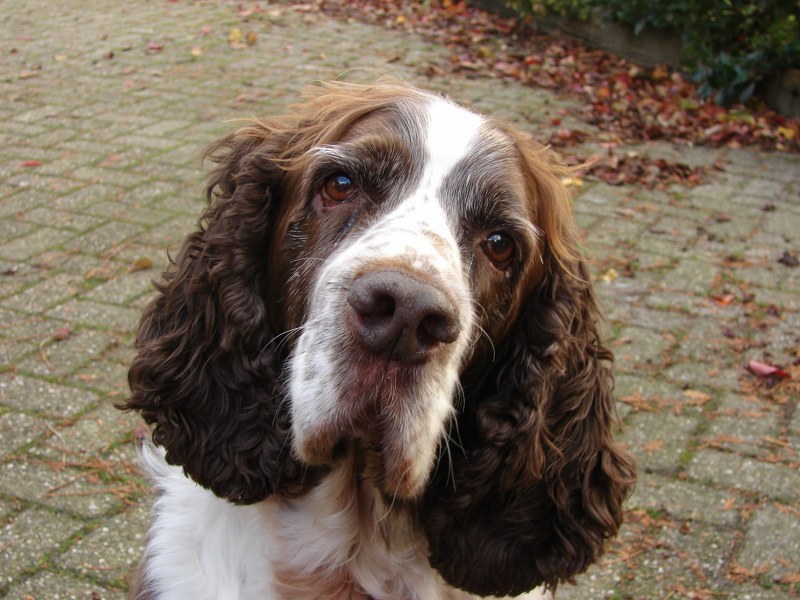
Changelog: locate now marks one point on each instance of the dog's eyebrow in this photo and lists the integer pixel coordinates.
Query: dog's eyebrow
(362, 148)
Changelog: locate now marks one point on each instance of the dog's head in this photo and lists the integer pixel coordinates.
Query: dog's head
(382, 272)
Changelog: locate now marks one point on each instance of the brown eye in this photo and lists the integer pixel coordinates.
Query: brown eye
(499, 248)
(337, 189)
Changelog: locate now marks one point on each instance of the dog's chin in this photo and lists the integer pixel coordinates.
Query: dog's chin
(394, 475)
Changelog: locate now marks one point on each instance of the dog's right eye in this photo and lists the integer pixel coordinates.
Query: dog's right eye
(499, 249)
(338, 189)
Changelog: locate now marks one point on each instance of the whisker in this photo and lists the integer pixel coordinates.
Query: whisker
(394, 496)
(282, 337)
(483, 332)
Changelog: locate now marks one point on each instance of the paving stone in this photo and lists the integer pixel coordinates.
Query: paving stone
(50, 291)
(773, 540)
(113, 550)
(109, 377)
(88, 437)
(755, 592)
(87, 197)
(58, 358)
(740, 426)
(125, 288)
(107, 316)
(680, 558)
(691, 275)
(694, 374)
(61, 487)
(635, 393)
(30, 537)
(104, 237)
(62, 218)
(58, 586)
(34, 243)
(638, 349)
(684, 500)
(794, 429)
(658, 440)
(18, 429)
(30, 394)
(602, 580)
(27, 330)
(743, 473)
(14, 227)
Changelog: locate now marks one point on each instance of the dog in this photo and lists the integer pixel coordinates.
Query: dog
(374, 370)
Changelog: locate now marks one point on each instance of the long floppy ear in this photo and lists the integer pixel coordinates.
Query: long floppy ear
(207, 372)
(537, 486)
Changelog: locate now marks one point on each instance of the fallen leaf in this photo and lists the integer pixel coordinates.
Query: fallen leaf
(650, 447)
(789, 259)
(197, 51)
(141, 264)
(574, 182)
(155, 47)
(775, 442)
(31, 163)
(609, 275)
(251, 38)
(764, 370)
(724, 300)
(696, 397)
(235, 36)
(61, 334)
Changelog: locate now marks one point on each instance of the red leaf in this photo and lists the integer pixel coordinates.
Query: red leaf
(765, 370)
(31, 163)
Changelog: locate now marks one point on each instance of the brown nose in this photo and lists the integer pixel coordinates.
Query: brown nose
(401, 316)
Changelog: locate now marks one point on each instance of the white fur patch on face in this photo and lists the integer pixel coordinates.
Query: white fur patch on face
(451, 131)
(327, 385)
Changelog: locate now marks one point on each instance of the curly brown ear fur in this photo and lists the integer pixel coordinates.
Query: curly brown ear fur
(207, 373)
(537, 486)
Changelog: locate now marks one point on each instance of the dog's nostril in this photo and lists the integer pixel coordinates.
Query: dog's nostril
(381, 307)
(437, 328)
(402, 316)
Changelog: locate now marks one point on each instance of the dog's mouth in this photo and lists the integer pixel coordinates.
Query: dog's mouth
(376, 426)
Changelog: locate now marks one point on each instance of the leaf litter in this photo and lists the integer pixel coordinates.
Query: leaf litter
(628, 103)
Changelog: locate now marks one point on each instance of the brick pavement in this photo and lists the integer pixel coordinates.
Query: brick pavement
(105, 108)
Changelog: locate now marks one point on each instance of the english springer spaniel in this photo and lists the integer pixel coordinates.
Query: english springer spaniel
(374, 370)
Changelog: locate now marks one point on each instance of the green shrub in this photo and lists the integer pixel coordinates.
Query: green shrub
(730, 45)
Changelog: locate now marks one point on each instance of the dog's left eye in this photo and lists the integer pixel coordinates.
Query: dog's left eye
(337, 189)
(499, 249)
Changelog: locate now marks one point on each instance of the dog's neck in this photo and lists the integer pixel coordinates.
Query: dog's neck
(344, 539)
